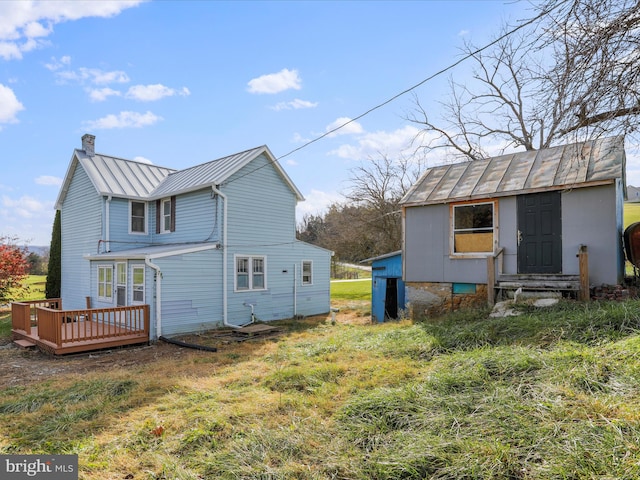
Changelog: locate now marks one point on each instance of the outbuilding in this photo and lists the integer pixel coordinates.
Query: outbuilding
(387, 286)
(545, 220)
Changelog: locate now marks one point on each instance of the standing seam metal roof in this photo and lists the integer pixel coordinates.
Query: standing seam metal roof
(130, 179)
(569, 166)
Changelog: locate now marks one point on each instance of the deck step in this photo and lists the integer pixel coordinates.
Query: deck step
(24, 343)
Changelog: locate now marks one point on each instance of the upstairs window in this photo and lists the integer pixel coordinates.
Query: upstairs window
(138, 214)
(166, 215)
(307, 272)
(250, 273)
(473, 228)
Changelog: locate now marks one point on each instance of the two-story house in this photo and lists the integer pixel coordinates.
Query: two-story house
(206, 246)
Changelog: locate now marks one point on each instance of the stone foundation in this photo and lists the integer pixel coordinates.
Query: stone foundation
(614, 292)
(427, 299)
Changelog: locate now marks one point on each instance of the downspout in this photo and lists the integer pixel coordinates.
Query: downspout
(295, 290)
(150, 264)
(225, 320)
(107, 230)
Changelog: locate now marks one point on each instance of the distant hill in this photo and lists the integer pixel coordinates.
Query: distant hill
(39, 250)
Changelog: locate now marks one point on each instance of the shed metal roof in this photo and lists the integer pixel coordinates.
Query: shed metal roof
(593, 162)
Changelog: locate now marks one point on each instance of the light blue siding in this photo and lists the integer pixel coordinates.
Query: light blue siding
(261, 206)
(191, 297)
(198, 219)
(187, 293)
(81, 224)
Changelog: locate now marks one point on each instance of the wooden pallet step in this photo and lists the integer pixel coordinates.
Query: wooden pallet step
(24, 343)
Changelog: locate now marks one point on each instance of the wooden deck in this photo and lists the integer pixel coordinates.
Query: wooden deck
(58, 331)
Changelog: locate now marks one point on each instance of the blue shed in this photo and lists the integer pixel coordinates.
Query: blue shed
(387, 287)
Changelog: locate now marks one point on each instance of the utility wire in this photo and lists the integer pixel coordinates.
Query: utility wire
(404, 92)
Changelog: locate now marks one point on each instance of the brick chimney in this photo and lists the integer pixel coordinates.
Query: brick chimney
(88, 144)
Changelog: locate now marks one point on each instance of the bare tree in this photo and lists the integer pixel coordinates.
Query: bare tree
(572, 75)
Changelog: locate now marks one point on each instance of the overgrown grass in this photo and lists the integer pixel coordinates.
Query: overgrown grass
(553, 393)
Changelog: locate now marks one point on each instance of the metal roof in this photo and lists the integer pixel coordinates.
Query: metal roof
(123, 178)
(216, 172)
(154, 251)
(593, 162)
(118, 177)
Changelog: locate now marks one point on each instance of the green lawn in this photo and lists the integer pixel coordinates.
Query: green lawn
(36, 284)
(631, 213)
(351, 290)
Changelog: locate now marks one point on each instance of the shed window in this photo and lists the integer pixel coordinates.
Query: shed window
(473, 228)
(250, 273)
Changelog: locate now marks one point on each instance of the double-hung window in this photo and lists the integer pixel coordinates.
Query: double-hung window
(138, 214)
(250, 273)
(474, 228)
(105, 282)
(166, 215)
(307, 272)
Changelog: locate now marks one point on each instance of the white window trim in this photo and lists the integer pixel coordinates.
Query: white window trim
(452, 252)
(133, 285)
(302, 282)
(104, 299)
(146, 217)
(163, 216)
(251, 258)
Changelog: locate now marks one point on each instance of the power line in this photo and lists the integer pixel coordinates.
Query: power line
(422, 82)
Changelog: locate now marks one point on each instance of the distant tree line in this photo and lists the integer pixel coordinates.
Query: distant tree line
(368, 223)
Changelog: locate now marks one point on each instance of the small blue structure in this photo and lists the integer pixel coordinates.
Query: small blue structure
(387, 286)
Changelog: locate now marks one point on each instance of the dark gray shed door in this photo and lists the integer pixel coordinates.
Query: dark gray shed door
(539, 233)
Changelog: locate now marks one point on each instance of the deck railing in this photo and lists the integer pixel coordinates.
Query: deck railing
(24, 314)
(68, 326)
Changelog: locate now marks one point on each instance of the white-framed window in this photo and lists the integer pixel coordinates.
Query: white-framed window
(138, 216)
(121, 284)
(250, 273)
(137, 285)
(473, 228)
(105, 282)
(307, 272)
(165, 216)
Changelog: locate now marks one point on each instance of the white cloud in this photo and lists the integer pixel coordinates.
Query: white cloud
(285, 79)
(25, 23)
(316, 202)
(25, 206)
(345, 126)
(9, 105)
(49, 180)
(294, 105)
(123, 120)
(27, 218)
(93, 76)
(463, 33)
(142, 160)
(292, 162)
(101, 94)
(373, 143)
(150, 93)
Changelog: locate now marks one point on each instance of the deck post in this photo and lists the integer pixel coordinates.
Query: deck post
(491, 279)
(583, 263)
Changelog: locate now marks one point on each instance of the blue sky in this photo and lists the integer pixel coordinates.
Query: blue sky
(181, 83)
